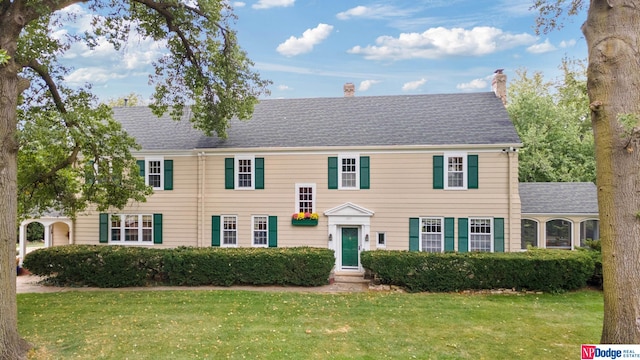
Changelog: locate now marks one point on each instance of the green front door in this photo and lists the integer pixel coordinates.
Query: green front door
(350, 247)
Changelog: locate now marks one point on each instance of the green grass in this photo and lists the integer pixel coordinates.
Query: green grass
(284, 325)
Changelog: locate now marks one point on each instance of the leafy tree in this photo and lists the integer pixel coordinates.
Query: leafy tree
(552, 122)
(132, 99)
(612, 32)
(60, 149)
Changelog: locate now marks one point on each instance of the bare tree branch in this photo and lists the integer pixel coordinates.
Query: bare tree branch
(53, 88)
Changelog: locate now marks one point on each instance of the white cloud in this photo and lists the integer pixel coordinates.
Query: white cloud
(568, 43)
(239, 4)
(283, 87)
(413, 85)
(442, 42)
(310, 38)
(474, 84)
(266, 4)
(94, 75)
(366, 84)
(372, 12)
(545, 47)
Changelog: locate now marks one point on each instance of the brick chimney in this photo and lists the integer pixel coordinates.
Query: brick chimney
(499, 85)
(349, 89)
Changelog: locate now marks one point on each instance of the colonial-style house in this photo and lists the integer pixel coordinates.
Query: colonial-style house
(406, 172)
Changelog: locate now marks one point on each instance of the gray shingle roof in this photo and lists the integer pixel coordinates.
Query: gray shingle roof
(559, 198)
(445, 119)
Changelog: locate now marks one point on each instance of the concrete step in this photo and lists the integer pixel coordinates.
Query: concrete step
(351, 279)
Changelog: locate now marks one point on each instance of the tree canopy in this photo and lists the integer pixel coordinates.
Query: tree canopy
(60, 148)
(552, 119)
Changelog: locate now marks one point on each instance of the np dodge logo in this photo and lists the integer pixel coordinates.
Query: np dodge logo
(588, 352)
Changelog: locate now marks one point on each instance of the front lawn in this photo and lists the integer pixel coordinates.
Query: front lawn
(284, 325)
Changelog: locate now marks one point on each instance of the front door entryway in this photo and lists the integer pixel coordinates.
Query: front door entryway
(350, 247)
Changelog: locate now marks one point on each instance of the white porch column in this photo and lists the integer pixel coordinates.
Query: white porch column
(47, 235)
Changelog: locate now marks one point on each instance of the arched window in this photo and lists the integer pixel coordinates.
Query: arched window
(558, 234)
(589, 230)
(528, 233)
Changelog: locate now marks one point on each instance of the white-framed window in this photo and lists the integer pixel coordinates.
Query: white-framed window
(381, 240)
(348, 171)
(481, 234)
(558, 234)
(455, 170)
(432, 234)
(260, 226)
(154, 172)
(229, 230)
(305, 197)
(528, 233)
(245, 172)
(131, 229)
(589, 230)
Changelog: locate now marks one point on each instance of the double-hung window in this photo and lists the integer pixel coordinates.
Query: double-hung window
(155, 173)
(455, 171)
(131, 229)
(229, 230)
(305, 198)
(245, 172)
(260, 230)
(432, 234)
(481, 234)
(348, 174)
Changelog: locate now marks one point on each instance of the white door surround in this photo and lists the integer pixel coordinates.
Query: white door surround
(348, 215)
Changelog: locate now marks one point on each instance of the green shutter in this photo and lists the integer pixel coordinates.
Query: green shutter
(168, 174)
(141, 166)
(364, 172)
(414, 234)
(449, 231)
(215, 230)
(228, 173)
(104, 228)
(472, 171)
(259, 173)
(333, 172)
(273, 231)
(438, 172)
(463, 235)
(498, 235)
(157, 228)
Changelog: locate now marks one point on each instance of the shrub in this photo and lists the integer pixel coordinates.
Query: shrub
(537, 270)
(120, 266)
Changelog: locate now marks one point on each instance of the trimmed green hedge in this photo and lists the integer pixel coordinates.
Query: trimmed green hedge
(121, 266)
(536, 270)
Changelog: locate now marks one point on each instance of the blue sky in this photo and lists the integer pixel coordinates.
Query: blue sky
(310, 48)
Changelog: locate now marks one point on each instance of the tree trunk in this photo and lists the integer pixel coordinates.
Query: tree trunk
(11, 85)
(612, 31)
(11, 346)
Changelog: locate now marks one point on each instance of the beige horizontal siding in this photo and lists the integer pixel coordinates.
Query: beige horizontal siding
(401, 187)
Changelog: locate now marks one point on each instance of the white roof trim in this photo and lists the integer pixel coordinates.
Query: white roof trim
(349, 209)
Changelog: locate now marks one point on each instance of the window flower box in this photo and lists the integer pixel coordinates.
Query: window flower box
(304, 219)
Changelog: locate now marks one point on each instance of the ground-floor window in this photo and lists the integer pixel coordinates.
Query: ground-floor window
(558, 234)
(229, 230)
(131, 229)
(431, 234)
(589, 230)
(260, 230)
(528, 233)
(480, 235)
